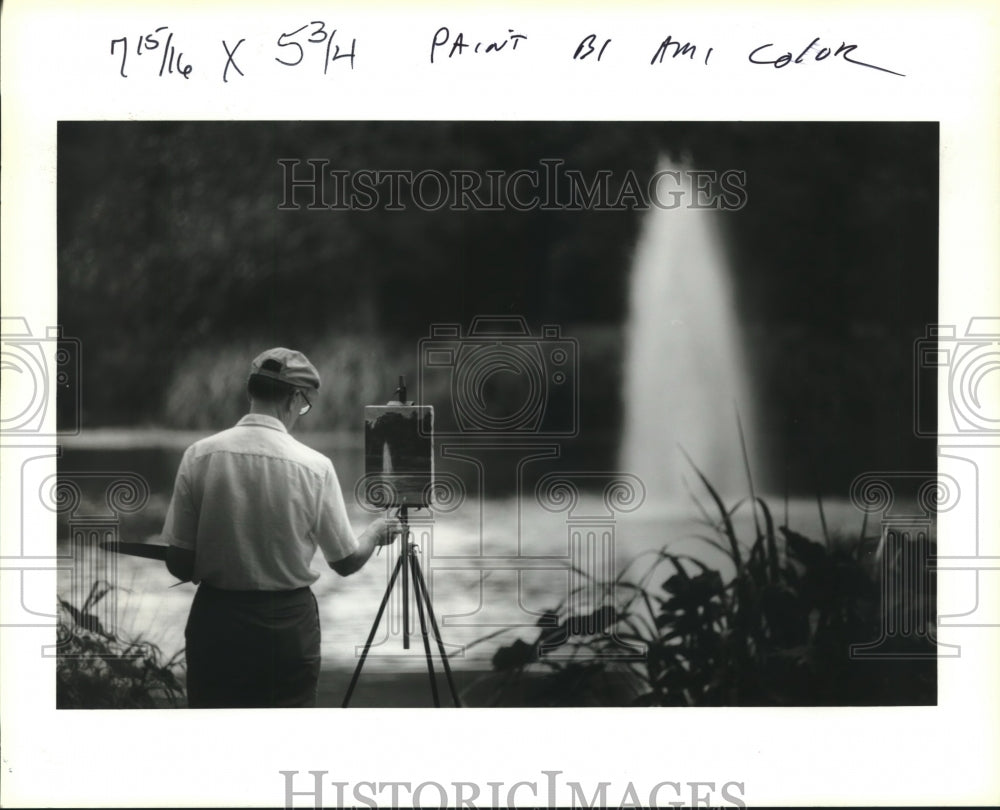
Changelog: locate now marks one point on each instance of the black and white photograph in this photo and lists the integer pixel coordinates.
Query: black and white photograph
(499, 405)
(662, 366)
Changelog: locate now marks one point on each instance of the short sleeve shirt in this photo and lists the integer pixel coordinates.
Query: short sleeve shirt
(254, 504)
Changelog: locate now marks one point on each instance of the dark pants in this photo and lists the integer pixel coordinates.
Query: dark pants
(252, 649)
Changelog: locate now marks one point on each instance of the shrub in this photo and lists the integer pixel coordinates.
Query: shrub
(778, 633)
(96, 669)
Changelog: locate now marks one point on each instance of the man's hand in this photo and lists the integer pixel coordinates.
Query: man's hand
(390, 529)
(380, 532)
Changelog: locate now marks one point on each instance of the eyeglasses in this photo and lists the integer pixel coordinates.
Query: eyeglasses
(305, 408)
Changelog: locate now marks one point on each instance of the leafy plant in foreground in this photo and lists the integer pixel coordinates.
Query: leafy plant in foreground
(778, 633)
(96, 669)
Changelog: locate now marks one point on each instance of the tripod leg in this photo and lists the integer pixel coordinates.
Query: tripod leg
(406, 580)
(423, 595)
(423, 631)
(371, 635)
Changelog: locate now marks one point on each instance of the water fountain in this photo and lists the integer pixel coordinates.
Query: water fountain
(684, 374)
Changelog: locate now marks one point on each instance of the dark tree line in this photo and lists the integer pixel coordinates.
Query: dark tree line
(171, 240)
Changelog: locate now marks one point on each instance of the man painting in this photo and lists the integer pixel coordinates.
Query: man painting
(250, 507)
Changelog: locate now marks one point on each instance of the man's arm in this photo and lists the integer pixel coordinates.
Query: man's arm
(380, 532)
(345, 553)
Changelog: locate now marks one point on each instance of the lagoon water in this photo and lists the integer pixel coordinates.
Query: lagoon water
(494, 565)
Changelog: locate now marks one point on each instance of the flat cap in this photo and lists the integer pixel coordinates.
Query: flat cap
(286, 365)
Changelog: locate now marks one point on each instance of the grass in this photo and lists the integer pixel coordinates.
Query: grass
(97, 669)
